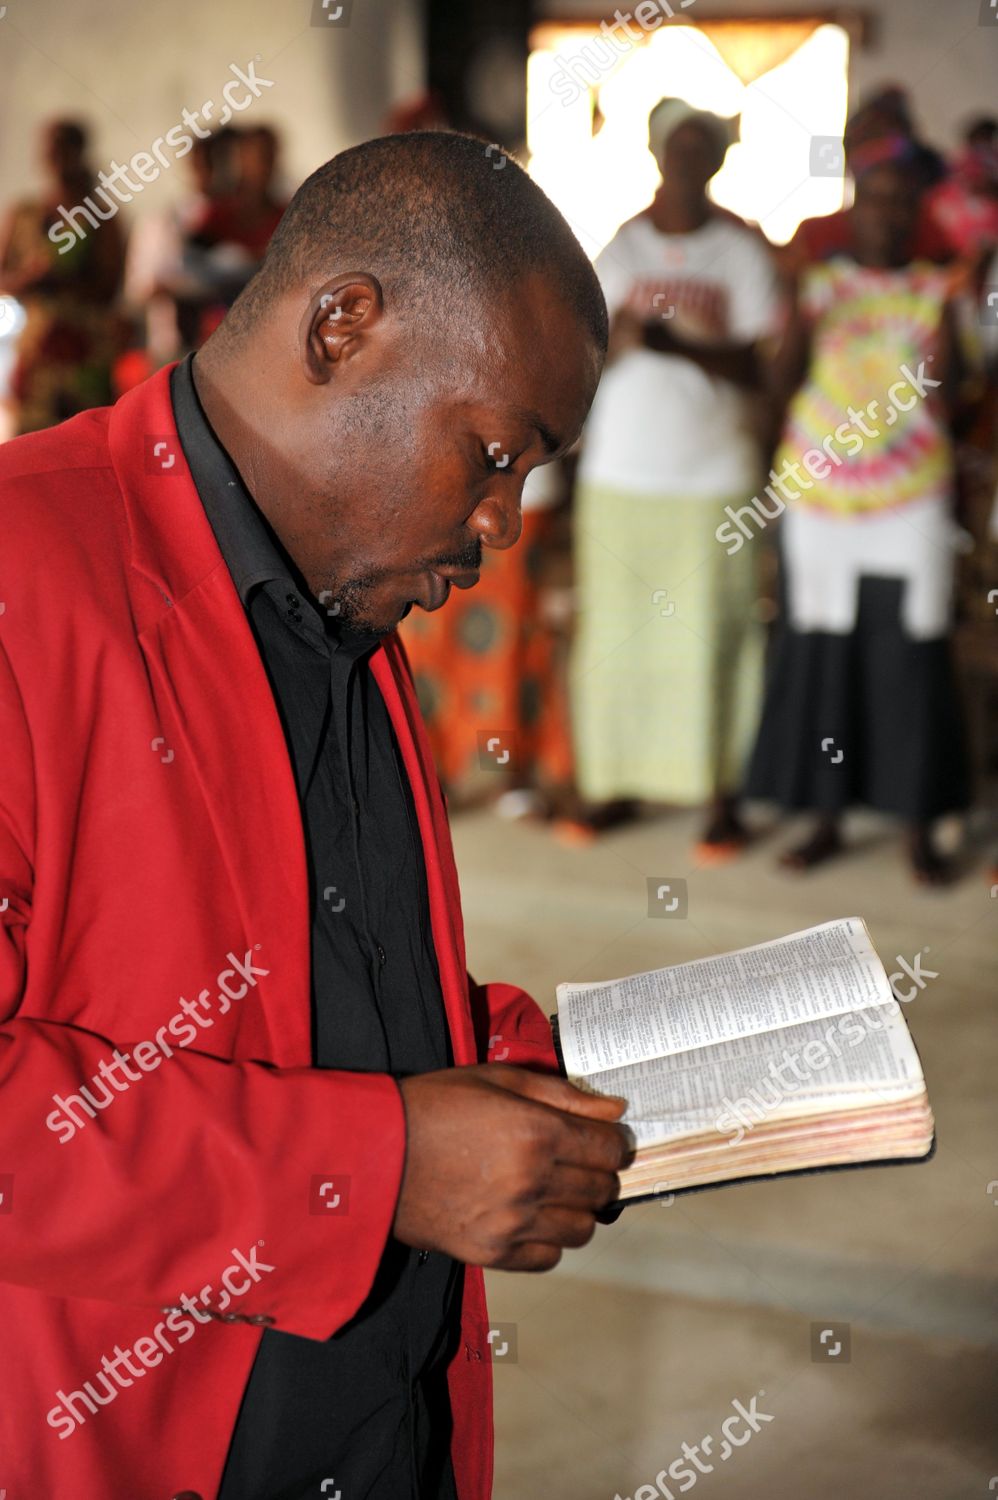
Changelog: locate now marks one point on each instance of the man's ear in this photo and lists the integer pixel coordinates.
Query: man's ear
(337, 322)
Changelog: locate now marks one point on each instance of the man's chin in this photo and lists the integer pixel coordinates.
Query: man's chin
(361, 625)
(385, 627)
(364, 613)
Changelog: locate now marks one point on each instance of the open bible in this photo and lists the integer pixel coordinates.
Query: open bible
(787, 1056)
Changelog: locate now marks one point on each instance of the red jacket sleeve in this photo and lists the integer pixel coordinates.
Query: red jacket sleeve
(510, 1027)
(148, 1199)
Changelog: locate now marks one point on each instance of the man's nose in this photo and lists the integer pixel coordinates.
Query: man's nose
(497, 520)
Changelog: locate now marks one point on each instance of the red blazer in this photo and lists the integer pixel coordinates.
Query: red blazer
(151, 852)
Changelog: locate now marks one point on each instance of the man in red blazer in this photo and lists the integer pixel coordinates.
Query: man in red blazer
(224, 1219)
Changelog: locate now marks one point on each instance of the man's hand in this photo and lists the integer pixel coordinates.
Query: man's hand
(505, 1167)
(626, 333)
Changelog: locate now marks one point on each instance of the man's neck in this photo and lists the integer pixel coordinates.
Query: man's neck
(229, 411)
(673, 213)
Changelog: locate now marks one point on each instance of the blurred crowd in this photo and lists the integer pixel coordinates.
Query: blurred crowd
(100, 315)
(745, 582)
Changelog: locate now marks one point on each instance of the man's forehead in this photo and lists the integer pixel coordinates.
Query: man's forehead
(526, 359)
(543, 370)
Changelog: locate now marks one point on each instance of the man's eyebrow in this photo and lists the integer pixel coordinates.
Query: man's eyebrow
(551, 440)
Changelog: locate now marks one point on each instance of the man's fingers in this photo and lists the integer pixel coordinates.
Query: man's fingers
(530, 1256)
(581, 1187)
(588, 1135)
(596, 1144)
(557, 1093)
(567, 1227)
(594, 1106)
(553, 1230)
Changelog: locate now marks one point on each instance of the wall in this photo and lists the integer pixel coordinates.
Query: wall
(935, 48)
(129, 69)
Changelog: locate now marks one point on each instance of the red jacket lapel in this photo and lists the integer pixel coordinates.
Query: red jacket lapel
(218, 711)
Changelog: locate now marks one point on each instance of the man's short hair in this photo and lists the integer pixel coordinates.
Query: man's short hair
(421, 211)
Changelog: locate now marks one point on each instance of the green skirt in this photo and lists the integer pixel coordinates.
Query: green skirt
(667, 658)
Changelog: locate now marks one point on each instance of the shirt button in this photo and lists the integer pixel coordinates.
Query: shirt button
(423, 1257)
(261, 1320)
(382, 955)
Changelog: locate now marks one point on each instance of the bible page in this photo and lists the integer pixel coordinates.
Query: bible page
(859, 1058)
(822, 972)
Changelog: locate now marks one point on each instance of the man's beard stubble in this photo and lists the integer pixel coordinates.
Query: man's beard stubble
(350, 604)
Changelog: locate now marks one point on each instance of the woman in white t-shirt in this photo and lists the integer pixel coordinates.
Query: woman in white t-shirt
(668, 655)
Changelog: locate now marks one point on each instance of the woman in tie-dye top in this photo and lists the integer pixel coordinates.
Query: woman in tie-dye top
(861, 704)
(874, 347)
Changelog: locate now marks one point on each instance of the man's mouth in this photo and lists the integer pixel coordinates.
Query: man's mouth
(438, 586)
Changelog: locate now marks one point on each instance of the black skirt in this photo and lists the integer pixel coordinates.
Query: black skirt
(870, 718)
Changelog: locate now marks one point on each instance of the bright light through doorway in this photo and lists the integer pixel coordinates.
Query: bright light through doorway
(600, 180)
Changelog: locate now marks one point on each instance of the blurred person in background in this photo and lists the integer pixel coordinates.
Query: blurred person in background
(884, 115)
(488, 664)
(887, 112)
(667, 666)
(224, 251)
(249, 214)
(71, 333)
(965, 203)
(156, 282)
(861, 705)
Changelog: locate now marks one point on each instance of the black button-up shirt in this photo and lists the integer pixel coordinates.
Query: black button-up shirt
(367, 1408)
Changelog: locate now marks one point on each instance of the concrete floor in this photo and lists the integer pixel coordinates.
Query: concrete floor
(642, 1341)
